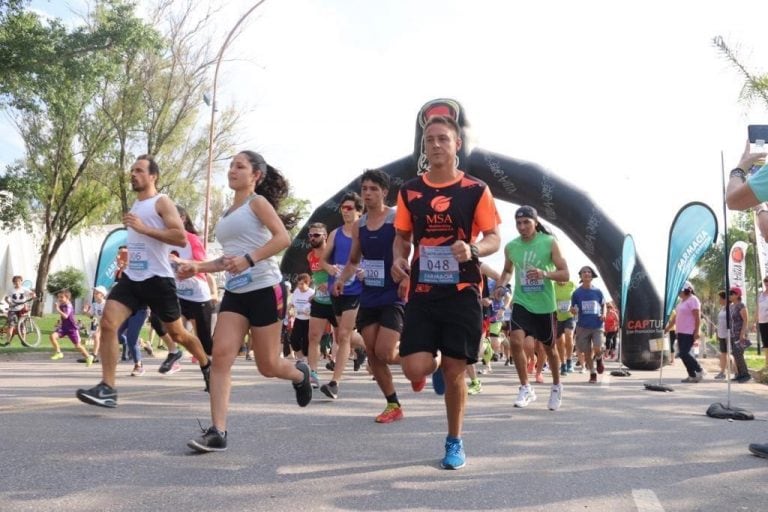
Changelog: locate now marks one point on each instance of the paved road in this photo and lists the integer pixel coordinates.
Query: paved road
(612, 447)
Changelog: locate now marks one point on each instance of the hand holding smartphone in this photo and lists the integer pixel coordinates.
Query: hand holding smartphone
(758, 137)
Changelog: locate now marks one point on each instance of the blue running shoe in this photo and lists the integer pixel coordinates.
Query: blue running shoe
(438, 382)
(454, 454)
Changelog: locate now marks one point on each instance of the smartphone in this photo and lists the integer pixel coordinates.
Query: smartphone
(758, 132)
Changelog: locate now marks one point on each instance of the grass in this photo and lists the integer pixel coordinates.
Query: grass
(47, 323)
(754, 360)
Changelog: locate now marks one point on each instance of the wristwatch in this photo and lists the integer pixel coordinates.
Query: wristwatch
(249, 259)
(474, 251)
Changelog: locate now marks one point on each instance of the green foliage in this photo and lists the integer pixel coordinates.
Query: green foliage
(297, 206)
(88, 99)
(711, 276)
(755, 88)
(70, 279)
(17, 207)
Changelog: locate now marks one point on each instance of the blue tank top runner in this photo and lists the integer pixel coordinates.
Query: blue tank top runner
(378, 287)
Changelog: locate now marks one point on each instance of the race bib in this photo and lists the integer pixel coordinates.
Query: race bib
(137, 257)
(563, 306)
(531, 285)
(374, 273)
(437, 265)
(239, 280)
(590, 307)
(184, 292)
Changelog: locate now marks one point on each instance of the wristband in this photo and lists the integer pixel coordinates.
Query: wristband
(474, 251)
(739, 173)
(249, 259)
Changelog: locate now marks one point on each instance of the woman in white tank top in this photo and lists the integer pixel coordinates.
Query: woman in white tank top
(251, 233)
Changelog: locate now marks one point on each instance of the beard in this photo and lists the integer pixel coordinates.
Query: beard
(315, 244)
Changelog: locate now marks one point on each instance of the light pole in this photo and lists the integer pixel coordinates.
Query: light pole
(213, 119)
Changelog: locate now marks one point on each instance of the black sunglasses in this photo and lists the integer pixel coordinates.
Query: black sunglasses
(315, 235)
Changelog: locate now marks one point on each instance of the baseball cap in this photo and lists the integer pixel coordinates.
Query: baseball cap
(101, 290)
(736, 290)
(688, 287)
(591, 270)
(528, 212)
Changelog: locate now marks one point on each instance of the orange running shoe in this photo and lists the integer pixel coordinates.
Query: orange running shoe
(531, 366)
(393, 412)
(418, 386)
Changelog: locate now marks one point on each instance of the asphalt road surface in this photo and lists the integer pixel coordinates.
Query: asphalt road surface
(613, 446)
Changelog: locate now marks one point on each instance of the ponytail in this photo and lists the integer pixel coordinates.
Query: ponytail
(274, 188)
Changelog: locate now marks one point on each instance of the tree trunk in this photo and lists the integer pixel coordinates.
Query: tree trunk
(41, 281)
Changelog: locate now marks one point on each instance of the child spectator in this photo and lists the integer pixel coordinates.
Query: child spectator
(94, 312)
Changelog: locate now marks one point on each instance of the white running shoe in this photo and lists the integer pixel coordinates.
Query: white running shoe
(555, 397)
(525, 396)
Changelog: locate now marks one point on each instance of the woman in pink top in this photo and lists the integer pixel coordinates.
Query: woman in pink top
(688, 319)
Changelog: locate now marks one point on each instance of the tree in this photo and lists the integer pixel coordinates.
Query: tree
(56, 73)
(71, 279)
(154, 105)
(754, 90)
(755, 86)
(88, 100)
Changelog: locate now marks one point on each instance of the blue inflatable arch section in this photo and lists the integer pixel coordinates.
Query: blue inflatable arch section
(558, 203)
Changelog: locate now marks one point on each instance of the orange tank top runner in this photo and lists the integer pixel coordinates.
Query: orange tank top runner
(439, 215)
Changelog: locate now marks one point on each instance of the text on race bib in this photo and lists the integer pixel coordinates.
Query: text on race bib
(374, 273)
(437, 265)
(239, 280)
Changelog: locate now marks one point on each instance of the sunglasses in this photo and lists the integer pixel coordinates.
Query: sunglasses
(315, 235)
(347, 208)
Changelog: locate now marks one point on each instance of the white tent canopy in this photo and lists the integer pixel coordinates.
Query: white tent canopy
(20, 254)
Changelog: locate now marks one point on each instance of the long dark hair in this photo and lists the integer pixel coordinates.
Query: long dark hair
(273, 187)
(541, 228)
(188, 226)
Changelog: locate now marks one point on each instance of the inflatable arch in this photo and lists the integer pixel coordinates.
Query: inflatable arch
(557, 202)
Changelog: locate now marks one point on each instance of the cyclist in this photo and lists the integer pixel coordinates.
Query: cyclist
(17, 308)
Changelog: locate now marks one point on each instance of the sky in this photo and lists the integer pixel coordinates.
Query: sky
(630, 102)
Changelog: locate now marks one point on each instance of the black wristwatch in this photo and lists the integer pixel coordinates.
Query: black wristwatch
(739, 173)
(249, 259)
(474, 251)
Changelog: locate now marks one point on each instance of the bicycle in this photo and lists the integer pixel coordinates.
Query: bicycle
(26, 329)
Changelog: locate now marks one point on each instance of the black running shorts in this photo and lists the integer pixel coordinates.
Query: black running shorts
(323, 311)
(541, 326)
(389, 316)
(159, 293)
(261, 307)
(452, 325)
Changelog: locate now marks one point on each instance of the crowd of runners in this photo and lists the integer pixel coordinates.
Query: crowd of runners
(396, 286)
